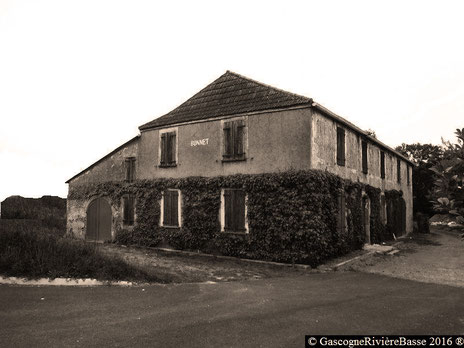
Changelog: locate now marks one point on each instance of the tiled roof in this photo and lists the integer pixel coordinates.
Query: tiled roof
(230, 94)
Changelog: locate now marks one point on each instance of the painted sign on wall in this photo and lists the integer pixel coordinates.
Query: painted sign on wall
(199, 142)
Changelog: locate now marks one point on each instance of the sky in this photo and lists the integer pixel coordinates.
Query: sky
(77, 78)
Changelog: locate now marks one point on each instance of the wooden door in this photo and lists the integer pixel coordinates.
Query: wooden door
(98, 220)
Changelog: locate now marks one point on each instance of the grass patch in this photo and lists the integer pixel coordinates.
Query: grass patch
(35, 255)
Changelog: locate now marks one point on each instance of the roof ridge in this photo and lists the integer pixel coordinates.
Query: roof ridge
(266, 85)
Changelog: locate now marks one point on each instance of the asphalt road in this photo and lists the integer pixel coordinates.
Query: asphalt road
(274, 312)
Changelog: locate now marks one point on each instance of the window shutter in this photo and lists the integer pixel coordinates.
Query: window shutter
(382, 164)
(174, 208)
(126, 210)
(228, 139)
(127, 164)
(239, 210)
(238, 140)
(341, 213)
(228, 214)
(163, 148)
(130, 219)
(133, 169)
(364, 156)
(166, 209)
(340, 146)
(171, 148)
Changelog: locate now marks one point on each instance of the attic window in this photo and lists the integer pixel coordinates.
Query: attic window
(234, 140)
(168, 149)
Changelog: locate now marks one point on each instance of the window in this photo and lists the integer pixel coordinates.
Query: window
(234, 211)
(170, 208)
(364, 156)
(130, 169)
(382, 164)
(234, 144)
(128, 207)
(340, 146)
(398, 170)
(168, 151)
(341, 217)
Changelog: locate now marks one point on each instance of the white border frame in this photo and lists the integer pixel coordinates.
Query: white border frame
(168, 130)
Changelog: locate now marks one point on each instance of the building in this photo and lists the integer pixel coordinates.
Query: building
(197, 168)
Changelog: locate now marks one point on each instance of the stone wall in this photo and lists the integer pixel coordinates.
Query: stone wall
(324, 157)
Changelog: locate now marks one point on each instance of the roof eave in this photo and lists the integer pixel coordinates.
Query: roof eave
(359, 130)
(146, 127)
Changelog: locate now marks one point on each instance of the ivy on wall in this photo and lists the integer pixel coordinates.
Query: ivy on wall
(292, 216)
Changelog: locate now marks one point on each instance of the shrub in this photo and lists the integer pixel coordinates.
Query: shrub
(34, 255)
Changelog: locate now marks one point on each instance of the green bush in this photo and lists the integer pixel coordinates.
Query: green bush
(34, 255)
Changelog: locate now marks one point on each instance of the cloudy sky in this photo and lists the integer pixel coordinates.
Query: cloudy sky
(78, 77)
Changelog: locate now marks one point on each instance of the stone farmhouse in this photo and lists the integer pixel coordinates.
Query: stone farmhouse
(246, 169)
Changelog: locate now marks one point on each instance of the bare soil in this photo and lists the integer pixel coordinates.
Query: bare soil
(175, 268)
(437, 257)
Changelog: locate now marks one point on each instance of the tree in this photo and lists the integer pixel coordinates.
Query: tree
(448, 193)
(425, 156)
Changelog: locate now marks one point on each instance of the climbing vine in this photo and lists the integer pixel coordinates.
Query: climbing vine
(292, 216)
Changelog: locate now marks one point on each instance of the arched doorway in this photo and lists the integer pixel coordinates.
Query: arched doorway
(98, 220)
(366, 210)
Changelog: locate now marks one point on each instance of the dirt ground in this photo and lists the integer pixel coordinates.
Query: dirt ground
(175, 268)
(437, 257)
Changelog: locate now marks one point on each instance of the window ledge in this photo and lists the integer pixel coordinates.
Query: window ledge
(235, 159)
(241, 233)
(167, 165)
(173, 227)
